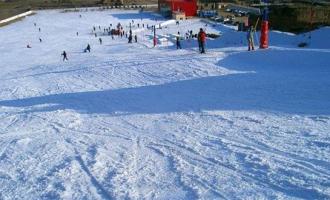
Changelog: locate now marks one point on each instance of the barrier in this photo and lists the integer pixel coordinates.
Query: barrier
(16, 17)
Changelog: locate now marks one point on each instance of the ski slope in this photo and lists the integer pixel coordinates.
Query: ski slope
(128, 121)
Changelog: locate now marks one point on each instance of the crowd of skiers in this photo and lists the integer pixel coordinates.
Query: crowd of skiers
(119, 31)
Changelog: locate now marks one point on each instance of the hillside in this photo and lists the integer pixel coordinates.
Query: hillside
(133, 121)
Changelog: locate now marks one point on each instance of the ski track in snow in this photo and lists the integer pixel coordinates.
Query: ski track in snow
(131, 122)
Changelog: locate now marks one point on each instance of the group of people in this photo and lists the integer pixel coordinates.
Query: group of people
(119, 31)
(201, 39)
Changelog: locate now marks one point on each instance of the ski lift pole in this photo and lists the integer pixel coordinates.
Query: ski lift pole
(155, 42)
(255, 26)
(255, 38)
(311, 21)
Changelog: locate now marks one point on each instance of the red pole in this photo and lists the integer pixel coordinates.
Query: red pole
(264, 30)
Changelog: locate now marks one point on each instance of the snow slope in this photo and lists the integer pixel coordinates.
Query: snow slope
(128, 121)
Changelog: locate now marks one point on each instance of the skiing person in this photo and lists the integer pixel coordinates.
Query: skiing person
(199, 43)
(250, 38)
(88, 48)
(100, 40)
(201, 40)
(130, 38)
(178, 43)
(40, 40)
(64, 56)
(28, 46)
(135, 38)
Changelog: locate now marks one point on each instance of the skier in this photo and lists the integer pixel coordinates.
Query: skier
(64, 56)
(201, 40)
(39, 29)
(100, 40)
(178, 43)
(135, 38)
(199, 43)
(28, 46)
(130, 38)
(40, 40)
(250, 38)
(88, 48)
(77, 33)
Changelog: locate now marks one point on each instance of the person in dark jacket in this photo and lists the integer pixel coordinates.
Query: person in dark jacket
(202, 40)
(64, 56)
(135, 38)
(88, 48)
(178, 42)
(130, 38)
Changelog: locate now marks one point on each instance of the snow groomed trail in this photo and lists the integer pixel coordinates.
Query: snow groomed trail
(127, 121)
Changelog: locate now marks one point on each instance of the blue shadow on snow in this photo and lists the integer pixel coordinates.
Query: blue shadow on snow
(263, 87)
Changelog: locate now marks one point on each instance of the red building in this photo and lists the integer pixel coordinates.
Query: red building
(189, 7)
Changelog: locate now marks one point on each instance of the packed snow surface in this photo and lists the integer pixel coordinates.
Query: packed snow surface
(128, 121)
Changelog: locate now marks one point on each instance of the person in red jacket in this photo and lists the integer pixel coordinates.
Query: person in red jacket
(201, 40)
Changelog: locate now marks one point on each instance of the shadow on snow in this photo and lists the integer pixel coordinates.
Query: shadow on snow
(297, 88)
